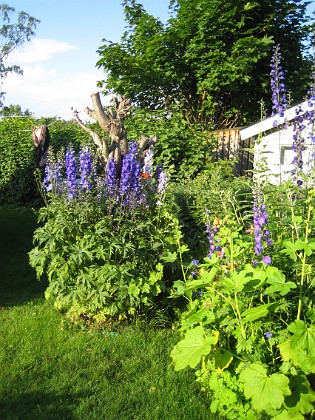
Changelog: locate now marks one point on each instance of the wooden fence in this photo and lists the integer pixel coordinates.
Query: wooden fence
(230, 146)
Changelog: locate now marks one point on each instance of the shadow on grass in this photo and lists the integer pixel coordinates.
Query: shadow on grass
(39, 405)
(18, 283)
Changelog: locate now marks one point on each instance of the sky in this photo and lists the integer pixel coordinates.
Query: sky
(59, 64)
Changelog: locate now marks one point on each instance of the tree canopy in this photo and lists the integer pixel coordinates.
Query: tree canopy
(211, 59)
(12, 34)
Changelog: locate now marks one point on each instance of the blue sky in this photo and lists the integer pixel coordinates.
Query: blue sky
(59, 63)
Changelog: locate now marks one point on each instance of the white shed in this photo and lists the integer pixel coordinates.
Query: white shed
(273, 139)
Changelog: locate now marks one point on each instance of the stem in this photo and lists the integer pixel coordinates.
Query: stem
(307, 229)
(239, 316)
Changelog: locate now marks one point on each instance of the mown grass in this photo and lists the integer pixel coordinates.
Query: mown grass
(50, 369)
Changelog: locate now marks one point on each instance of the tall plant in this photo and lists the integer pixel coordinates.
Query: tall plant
(102, 237)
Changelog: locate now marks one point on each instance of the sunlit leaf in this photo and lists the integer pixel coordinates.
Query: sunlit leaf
(266, 392)
(189, 351)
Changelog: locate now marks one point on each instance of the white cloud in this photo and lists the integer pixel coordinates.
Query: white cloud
(47, 92)
(39, 49)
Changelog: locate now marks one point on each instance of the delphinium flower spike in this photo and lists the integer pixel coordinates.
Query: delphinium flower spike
(71, 173)
(111, 178)
(261, 233)
(53, 175)
(212, 230)
(86, 168)
(298, 145)
(279, 99)
(129, 186)
(162, 181)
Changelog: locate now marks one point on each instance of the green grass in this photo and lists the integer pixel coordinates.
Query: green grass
(52, 370)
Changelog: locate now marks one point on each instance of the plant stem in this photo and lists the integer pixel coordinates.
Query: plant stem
(307, 229)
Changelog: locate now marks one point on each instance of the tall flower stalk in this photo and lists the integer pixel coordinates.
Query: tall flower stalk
(279, 98)
(298, 145)
(86, 169)
(261, 233)
(71, 174)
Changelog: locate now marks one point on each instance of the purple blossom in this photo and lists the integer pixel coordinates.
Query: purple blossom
(279, 100)
(71, 173)
(211, 231)
(111, 178)
(267, 260)
(194, 262)
(129, 186)
(298, 145)
(268, 334)
(261, 234)
(86, 171)
(148, 162)
(53, 176)
(162, 180)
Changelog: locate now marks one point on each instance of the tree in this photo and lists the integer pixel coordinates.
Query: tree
(12, 35)
(211, 59)
(16, 110)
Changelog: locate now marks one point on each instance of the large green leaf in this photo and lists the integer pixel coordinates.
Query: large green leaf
(252, 314)
(266, 392)
(189, 351)
(303, 337)
(277, 282)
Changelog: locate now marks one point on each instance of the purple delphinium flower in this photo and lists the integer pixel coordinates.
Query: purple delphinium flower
(268, 334)
(298, 145)
(211, 232)
(111, 178)
(71, 173)
(53, 176)
(267, 260)
(279, 99)
(261, 233)
(148, 162)
(162, 180)
(129, 185)
(86, 169)
(194, 262)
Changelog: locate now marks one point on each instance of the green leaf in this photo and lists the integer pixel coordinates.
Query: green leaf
(222, 359)
(252, 314)
(189, 351)
(277, 282)
(303, 337)
(266, 392)
(302, 397)
(169, 257)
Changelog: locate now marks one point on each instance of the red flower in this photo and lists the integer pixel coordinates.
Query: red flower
(144, 175)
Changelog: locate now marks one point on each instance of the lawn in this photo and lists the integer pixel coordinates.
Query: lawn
(50, 369)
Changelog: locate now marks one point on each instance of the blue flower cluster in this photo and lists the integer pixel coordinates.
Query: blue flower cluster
(111, 178)
(212, 230)
(131, 188)
(261, 233)
(53, 176)
(71, 174)
(86, 169)
(129, 185)
(298, 145)
(279, 98)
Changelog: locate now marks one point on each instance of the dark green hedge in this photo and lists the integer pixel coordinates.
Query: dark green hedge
(17, 155)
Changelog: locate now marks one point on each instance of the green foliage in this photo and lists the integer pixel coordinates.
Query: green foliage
(50, 368)
(102, 251)
(182, 148)
(215, 189)
(208, 59)
(248, 326)
(18, 183)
